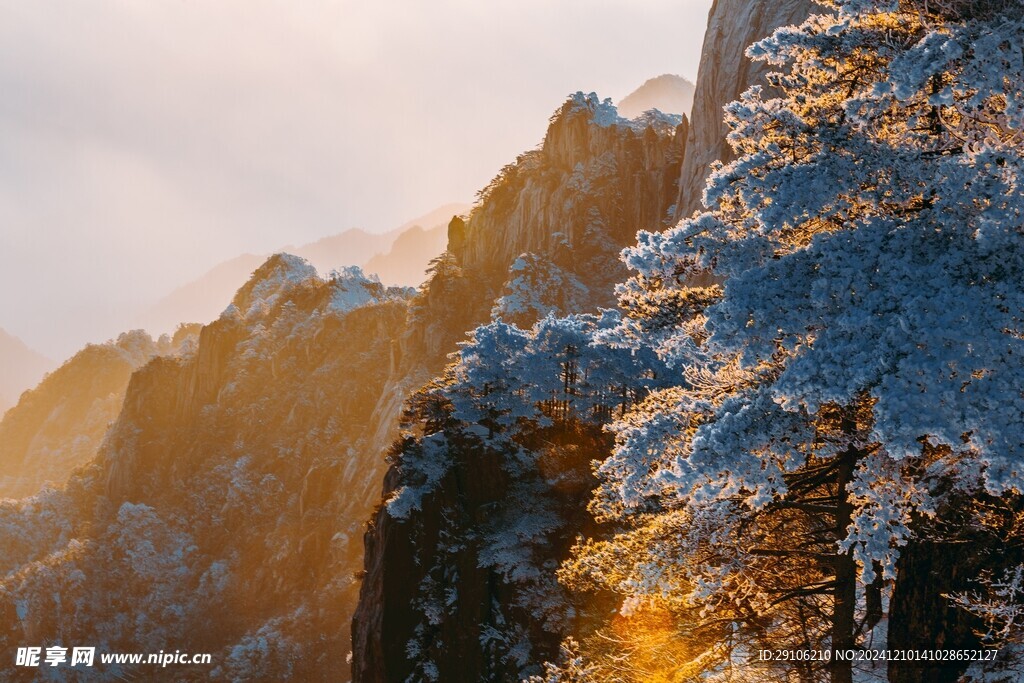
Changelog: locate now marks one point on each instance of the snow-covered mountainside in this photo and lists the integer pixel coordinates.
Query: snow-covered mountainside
(60, 424)
(228, 498)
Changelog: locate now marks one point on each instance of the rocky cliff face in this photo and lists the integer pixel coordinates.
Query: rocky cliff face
(595, 180)
(725, 72)
(544, 237)
(60, 424)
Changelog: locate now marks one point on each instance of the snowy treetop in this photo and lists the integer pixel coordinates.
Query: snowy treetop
(283, 273)
(603, 112)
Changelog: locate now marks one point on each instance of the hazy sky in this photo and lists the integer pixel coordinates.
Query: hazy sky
(143, 141)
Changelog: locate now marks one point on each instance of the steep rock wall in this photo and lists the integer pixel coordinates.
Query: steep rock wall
(575, 202)
(592, 167)
(724, 73)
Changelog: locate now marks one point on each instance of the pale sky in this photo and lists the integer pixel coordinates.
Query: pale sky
(144, 141)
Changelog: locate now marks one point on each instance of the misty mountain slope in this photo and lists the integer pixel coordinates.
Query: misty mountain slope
(407, 261)
(228, 499)
(355, 247)
(349, 248)
(668, 93)
(21, 368)
(60, 424)
(202, 299)
(401, 254)
(544, 237)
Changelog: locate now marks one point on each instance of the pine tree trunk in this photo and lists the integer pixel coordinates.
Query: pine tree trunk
(921, 617)
(845, 606)
(873, 600)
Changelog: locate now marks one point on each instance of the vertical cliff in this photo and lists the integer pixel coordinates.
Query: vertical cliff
(725, 72)
(595, 179)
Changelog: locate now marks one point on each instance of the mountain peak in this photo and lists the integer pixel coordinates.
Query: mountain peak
(600, 111)
(586, 126)
(282, 273)
(603, 113)
(667, 93)
(278, 274)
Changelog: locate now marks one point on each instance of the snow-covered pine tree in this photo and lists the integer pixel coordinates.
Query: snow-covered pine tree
(535, 288)
(866, 345)
(492, 477)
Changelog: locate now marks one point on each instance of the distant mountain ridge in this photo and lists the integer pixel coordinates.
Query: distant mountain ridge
(407, 260)
(399, 257)
(356, 247)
